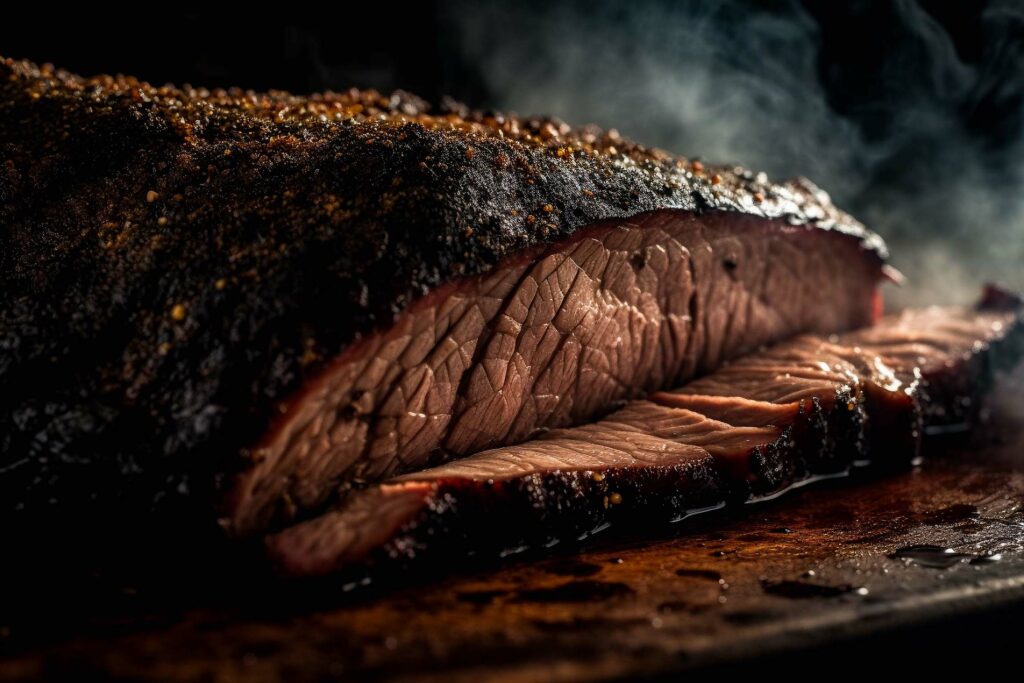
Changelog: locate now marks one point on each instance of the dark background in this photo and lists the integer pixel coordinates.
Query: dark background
(910, 113)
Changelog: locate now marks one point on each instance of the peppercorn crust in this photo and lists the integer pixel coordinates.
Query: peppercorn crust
(176, 260)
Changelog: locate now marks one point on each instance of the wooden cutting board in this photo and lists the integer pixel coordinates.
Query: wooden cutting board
(837, 560)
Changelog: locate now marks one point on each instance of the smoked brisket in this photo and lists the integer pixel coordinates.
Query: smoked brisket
(807, 407)
(229, 306)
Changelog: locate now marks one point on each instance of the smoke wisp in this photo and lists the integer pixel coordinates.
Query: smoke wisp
(918, 136)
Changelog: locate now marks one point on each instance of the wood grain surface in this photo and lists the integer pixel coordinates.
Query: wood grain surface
(838, 560)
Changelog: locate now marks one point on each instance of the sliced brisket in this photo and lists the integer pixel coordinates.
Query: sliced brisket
(621, 310)
(806, 407)
(221, 300)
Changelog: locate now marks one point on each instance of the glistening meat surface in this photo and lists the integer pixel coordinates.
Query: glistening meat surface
(220, 305)
(622, 310)
(813, 405)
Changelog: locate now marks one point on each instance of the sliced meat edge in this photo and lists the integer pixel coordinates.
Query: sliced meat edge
(810, 406)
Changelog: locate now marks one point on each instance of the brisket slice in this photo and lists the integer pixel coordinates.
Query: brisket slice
(246, 302)
(623, 309)
(809, 406)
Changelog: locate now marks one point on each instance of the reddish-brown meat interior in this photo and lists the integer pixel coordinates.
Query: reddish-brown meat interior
(808, 406)
(235, 307)
(553, 338)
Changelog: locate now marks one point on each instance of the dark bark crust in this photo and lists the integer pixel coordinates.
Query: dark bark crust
(175, 261)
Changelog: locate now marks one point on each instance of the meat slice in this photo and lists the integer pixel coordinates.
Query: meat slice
(810, 406)
(218, 305)
(623, 309)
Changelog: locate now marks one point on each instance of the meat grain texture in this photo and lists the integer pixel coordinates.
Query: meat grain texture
(182, 270)
(807, 407)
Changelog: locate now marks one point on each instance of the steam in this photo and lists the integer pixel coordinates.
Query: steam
(933, 159)
(1005, 406)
